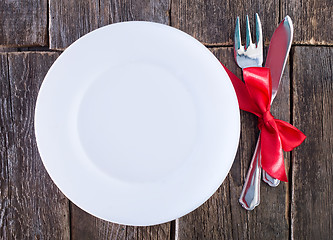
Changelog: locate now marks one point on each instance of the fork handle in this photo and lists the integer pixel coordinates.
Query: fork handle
(250, 196)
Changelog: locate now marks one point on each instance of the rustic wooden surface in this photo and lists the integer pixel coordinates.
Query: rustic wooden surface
(71, 19)
(311, 19)
(85, 226)
(211, 21)
(23, 22)
(31, 206)
(312, 167)
(6, 145)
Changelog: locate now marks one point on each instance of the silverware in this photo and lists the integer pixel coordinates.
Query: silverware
(276, 60)
(250, 56)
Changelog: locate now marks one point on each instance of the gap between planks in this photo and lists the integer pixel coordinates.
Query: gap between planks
(5, 49)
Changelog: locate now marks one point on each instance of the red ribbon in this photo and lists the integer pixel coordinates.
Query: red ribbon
(254, 95)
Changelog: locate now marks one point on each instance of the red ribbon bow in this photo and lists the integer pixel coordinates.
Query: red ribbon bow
(254, 95)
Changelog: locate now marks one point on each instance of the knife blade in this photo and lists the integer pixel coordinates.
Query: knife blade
(278, 51)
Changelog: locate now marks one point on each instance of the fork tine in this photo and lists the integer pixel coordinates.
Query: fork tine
(237, 42)
(258, 32)
(249, 55)
(248, 33)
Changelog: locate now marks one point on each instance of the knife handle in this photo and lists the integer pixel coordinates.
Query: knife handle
(250, 196)
(273, 182)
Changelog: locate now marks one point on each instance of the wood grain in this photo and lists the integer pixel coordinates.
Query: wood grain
(312, 178)
(222, 217)
(23, 22)
(86, 226)
(312, 20)
(31, 205)
(70, 19)
(213, 22)
(6, 145)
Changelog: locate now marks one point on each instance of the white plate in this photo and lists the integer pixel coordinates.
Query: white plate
(137, 123)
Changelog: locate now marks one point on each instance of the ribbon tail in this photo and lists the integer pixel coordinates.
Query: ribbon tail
(290, 136)
(271, 154)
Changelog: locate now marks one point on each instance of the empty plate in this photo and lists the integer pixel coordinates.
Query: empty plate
(137, 123)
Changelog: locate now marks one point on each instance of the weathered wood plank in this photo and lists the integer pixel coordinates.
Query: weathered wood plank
(70, 19)
(23, 22)
(312, 20)
(37, 209)
(86, 226)
(312, 177)
(222, 217)
(6, 145)
(213, 22)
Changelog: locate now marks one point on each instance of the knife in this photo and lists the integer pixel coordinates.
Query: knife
(276, 60)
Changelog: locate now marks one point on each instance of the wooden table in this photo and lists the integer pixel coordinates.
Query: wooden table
(33, 33)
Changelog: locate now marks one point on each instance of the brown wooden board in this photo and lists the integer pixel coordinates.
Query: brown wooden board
(31, 205)
(312, 20)
(86, 226)
(312, 176)
(23, 22)
(222, 217)
(70, 19)
(6, 145)
(213, 22)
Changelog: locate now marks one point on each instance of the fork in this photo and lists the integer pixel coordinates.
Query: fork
(250, 56)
